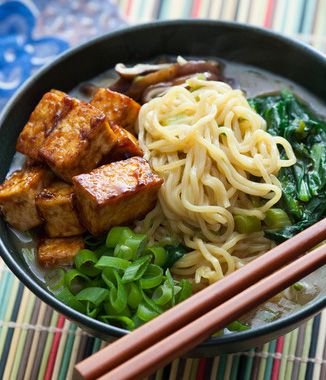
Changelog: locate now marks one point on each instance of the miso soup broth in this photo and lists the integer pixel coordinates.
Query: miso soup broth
(252, 82)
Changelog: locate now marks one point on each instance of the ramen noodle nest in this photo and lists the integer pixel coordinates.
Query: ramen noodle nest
(217, 160)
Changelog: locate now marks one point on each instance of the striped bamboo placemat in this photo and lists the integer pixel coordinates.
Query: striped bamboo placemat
(38, 343)
(303, 19)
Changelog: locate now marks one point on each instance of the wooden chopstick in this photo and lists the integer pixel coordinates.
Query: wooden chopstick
(148, 361)
(200, 303)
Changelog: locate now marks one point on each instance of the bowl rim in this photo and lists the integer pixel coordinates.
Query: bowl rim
(102, 328)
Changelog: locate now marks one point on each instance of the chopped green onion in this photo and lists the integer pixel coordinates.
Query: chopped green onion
(276, 218)
(91, 310)
(269, 315)
(118, 235)
(137, 321)
(162, 295)
(237, 326)
(55, 279)
(151, 303)
(124, 321)
(121, 281)
(145, 312)
(29, 253)
(138, 78)
(112, 262)
(152, 277)
(170, 283)
(186, 290)
(136, 270)
(93, 295)
(118, 293)
(75, 281)
(65, 296)
(246, 224)
(103, 250)
(201, 76)
(110, 310)
(298, 286)
(124, 252)
(94, 241)
(135, 296)
(136, 243)
(193, 86)
(97, 282)
(85, 261)
(159, 254)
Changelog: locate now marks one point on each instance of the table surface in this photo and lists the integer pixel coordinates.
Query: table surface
(35, 341)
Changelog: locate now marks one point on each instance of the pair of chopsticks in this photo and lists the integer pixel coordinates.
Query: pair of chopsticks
(181, 328)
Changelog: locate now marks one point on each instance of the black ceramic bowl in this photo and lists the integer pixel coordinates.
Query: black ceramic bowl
(233, 42)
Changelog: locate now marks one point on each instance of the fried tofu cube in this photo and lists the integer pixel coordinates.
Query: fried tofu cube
(59, 252)
(118, 108)
(78, 142)
(41, 123)
(17, 197)
(55, 206)
(126, 146)
(116, 194)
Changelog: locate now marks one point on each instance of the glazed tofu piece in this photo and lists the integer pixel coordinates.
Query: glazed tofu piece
(51, 107)
(59, 252)
(126, 146)
(118, 108)
(116, 194)
(55, 206)
(17, 197)
(78, 142)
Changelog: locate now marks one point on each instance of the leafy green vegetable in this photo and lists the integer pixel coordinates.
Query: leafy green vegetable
(174, 253)
(303, 184)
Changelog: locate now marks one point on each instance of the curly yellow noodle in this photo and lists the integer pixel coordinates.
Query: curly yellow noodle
(208, 144)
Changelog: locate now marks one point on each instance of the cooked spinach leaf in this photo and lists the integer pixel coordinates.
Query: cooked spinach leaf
(303, 184)
(174, 253)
